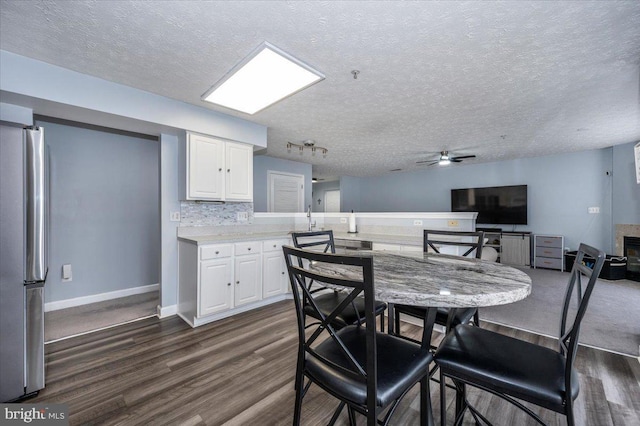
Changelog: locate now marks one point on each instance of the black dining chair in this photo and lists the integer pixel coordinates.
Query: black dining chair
(366, 370)
(327, 300)
(471, 244)
(510, 368)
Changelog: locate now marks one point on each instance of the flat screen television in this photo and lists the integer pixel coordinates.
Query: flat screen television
(495, 204)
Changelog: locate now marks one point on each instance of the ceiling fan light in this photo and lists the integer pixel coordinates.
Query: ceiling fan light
(444, 161)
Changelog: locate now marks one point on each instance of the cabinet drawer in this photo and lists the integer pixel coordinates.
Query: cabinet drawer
(548, 252)
(542, 241)
(249, 247)
(273, 245)
(215, 251)
(545, 262)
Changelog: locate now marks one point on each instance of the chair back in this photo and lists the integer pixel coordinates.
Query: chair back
(472, 240)
(299, 275)
(570, 329)
(319, 239)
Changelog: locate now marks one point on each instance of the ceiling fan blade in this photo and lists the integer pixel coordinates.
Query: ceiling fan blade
(427, 162)
(462, 157)
(455, 160)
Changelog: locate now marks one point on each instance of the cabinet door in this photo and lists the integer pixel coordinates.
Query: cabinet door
(239, 171)
(274, 278)
(215, 286)
(206, 169)
(248, 274)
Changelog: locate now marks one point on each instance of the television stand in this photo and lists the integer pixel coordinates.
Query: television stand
(514, 248)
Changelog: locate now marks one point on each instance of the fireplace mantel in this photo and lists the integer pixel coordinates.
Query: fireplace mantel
(623, 230)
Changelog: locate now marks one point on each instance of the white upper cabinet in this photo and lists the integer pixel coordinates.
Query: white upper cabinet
(206, 175)
(239, 180)
(216, 170)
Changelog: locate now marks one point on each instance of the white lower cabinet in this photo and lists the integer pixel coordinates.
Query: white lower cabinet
(274, 270)
(216, 290)
(248, 274)
(220, 280)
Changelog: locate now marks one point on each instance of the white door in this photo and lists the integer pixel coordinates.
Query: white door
(332, 201)
(286, 192)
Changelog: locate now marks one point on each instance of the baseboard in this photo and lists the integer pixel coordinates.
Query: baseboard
(167, 311)
(85, 300)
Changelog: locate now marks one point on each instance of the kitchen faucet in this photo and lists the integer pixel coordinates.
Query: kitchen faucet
(309, 218)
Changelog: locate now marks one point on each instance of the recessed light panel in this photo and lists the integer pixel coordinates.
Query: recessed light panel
(265, 77)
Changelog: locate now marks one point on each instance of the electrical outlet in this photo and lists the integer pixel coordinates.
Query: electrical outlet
(417, 222)
(593, 210)
(174, 216)
(343, 220)
(243, 216)
(67, 273)
(453, 223)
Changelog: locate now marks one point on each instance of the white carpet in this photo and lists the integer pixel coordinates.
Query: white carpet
(612, 321)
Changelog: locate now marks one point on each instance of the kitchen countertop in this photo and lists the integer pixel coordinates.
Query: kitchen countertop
(257, 236)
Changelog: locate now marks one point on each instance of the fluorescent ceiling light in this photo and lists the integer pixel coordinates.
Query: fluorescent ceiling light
(263, 78)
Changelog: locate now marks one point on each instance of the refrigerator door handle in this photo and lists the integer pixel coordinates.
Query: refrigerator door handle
(36, 205)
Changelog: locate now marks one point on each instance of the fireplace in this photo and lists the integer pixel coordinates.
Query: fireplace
(632, 252)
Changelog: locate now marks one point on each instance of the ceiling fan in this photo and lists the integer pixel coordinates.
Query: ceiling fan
(445, 159)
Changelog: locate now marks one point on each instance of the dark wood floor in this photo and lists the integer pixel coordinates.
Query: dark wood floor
(239, 371)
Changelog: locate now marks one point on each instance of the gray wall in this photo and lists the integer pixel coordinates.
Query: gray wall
(262, 164)
(168, 268)
(319, 188)
(560, 189)
(104, 211)
(626, 192)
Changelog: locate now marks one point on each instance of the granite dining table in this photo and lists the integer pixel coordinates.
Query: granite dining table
(433, 280)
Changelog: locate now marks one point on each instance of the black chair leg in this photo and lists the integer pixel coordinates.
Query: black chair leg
(461, 398)
(476, 318)
(297, 412)
(352, 416)
(443, 401)
(382, 322)
(569, 408)
(426, 412)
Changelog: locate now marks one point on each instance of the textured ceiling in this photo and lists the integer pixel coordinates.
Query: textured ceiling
(501, 80)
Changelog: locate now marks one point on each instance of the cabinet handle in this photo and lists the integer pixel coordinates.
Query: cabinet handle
(228, 170)
(229, 284)
(220, 169)
(274, 245)
(249, 249)
(282, 272)
(237, 282)
(217, 252)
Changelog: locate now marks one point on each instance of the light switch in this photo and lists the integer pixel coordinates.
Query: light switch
(453, 224)
(417, 222)
(174, 216)
(67, 274)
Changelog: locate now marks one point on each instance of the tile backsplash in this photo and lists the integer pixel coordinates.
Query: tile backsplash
(194, 213)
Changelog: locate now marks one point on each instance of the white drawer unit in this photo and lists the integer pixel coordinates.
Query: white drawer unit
(216, 251)
(548, 252)
(220, 280)
(248, 247)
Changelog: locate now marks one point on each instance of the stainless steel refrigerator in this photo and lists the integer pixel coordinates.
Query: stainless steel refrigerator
(24, 212)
